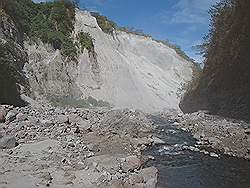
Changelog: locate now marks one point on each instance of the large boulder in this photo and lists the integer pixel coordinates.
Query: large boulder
(8, 142)
(62, 119)
(131, 163)
(150, 176)
(2, 116)
(11, 115)
(21, 117)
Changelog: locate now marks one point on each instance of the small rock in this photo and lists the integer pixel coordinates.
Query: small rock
(199, 135)
(2, 116)
(11, 115)
(135, 178)
(150, 157)
(176, 123)
(8, 142)
(69, 183)
(90, 154)
(226, 150)
(141, 141)
(71, 144)
(116, 183)
(214, 155)
(64, 160)
(62, 119)
(157, 140)
(76, 130)
(58, 111)
(80, 166)
(131, 163)
(46, 122)
(74, 118)
(2, 134)
(95, 164)
(149, 176)
(84, 125)
(180, 115)
(47, 176)
(21, 117)
(105, 176)
(204, 151)
(191, 148)
(151, 183)
(213, 140)
(247, 131)
(93, 147)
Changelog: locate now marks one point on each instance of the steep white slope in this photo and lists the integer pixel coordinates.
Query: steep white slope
(128, 71)
(131, 71)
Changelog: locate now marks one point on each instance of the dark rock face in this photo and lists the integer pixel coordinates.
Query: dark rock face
(8, 28)
(225, 86)
(217, 99)
(12, 60)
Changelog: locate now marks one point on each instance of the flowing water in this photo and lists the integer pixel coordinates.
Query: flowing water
(180, 168)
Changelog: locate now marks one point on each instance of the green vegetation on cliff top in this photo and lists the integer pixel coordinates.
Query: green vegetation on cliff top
(51, 22)
(109, 26)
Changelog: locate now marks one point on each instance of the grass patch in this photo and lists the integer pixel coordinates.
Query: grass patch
(90, 102)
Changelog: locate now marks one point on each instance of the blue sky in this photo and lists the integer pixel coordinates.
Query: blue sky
(183, 22)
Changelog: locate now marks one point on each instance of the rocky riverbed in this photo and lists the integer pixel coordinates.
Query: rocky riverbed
(41, 145)
(47, 146)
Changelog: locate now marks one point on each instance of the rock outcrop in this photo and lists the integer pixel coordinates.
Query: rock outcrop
(12, 59)
(224, 86)
(126, 70)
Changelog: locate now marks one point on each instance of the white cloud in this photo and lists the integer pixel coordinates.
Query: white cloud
(188, 12)
(195, 4)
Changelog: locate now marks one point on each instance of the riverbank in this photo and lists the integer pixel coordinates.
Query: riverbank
(47, 146)
(226, 136)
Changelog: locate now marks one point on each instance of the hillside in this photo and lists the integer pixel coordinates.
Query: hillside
(85, 103)
(224, 87)
(84, 61)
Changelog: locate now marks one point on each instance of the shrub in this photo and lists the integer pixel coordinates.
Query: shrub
(69, 48)
(104, 23)
(134, 31)
(20, 12)
(52, 22)
(177, 49)
(86, 41)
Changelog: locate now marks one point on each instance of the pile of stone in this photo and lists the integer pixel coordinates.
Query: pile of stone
(51, 146)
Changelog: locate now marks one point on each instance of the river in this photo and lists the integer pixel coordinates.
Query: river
(179, 168)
